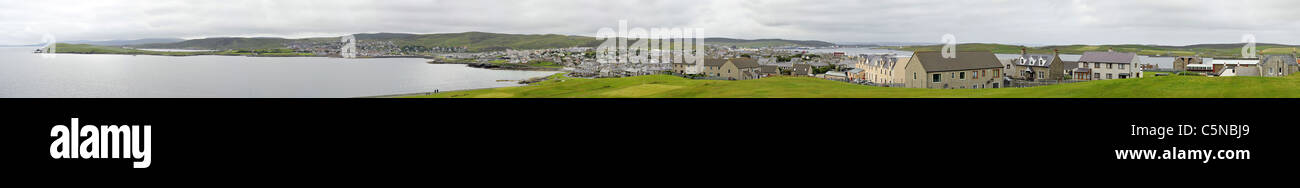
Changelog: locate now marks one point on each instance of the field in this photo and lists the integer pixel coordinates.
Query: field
(664, 86)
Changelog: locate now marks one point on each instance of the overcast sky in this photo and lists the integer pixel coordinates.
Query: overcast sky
(1169, 22)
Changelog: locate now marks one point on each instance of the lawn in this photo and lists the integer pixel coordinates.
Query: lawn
(664, 86)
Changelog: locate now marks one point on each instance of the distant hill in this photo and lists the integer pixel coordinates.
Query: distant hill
(766, 42)
(221, 44)
(474, 41)
(480, 41)
(1202, 50)
(126, 42)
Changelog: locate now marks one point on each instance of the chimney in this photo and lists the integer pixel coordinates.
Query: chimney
(1056, 51)
(1024, 51)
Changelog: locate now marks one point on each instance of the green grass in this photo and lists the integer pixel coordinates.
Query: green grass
(664, 86)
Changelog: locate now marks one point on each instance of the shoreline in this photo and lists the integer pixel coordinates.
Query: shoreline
(400, 95)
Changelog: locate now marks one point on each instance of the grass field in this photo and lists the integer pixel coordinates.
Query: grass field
(664, 86)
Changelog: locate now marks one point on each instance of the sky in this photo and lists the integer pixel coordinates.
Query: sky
(1046, 22)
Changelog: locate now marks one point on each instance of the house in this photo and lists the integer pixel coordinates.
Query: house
(879, 68)
(835, 75)
(732, 69)
(1219, 64)
(686, 68)
(856, 74)
(1107, 66)
(1240, 71)
(1278, 65)
(769, 70)
(1180, 63)
(968, 70)
(1069, 67)
(1033, 67)
(801, 70)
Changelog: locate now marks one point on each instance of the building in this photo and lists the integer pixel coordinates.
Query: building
(1180, 63)
(1239, 71)
(686, 68)
(879, 68)
(1107, 66)
(732, 69)
(1034, 67)
(1219, 64)
(1278, 65)
(968, 70)
(801, 70)
(769, 70)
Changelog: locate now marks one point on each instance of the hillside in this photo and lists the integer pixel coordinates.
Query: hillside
(221, 44)
(94, 49)
(474, 41)
(1203, 50)
(663, 86)
(128, 42)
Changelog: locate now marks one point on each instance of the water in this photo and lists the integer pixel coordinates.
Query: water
(27, 75)
(858, 51)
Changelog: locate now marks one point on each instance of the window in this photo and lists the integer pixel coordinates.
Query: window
(1122, 66)
(953, 75)
(975, 75)
(963, 75)
(1040, 76)
(1096, 76)
(936, 78)
(914, 76)
(1096, 65)
(1109, 76)
(1110, 66)
(995, 85)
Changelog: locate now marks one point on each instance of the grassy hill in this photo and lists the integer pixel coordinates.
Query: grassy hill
(479, 41)
(1203, 50)
(663, 86)
(221, 44)
(475, 41)
(93, 49)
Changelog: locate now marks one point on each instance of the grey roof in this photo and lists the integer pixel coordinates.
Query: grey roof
(771, 69)
(1047, 60)
(1071, 65)
(1291, 60)
(1108, 57)
(740, 62)
(1082, 69)
(934, 61)
(856, 71)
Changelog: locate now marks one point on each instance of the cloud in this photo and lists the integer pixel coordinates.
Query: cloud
(1002, 21)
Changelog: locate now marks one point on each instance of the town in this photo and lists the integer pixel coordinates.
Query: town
(921, 69)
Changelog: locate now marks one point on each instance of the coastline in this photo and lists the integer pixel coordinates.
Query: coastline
(527, 82)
